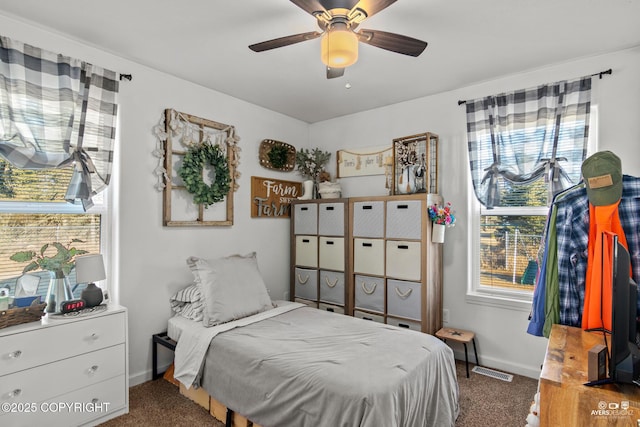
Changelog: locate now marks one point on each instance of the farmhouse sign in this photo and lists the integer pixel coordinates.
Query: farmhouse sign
(271, 198)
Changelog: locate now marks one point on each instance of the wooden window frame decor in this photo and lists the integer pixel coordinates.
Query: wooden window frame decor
(415, 164)
(182, 133)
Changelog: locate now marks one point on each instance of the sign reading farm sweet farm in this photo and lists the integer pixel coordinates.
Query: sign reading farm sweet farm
(271, 198)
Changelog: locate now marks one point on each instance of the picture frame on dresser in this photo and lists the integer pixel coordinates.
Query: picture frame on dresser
(415, 164)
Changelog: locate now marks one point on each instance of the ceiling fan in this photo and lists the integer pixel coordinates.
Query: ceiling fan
(338, 20)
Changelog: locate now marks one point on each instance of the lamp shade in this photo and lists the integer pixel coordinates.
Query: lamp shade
(339, 47)
(90, 268)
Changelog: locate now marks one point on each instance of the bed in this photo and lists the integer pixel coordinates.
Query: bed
(292, 365)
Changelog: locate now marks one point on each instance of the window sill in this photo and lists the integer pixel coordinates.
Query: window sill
(500, 301)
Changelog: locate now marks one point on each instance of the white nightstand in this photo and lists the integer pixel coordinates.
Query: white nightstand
(65, 372)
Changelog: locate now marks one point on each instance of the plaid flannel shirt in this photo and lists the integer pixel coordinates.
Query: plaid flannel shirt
(573, 238)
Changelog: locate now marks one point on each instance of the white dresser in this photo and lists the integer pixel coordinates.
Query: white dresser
(70, 372)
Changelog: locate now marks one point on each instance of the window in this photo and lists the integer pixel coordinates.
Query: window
(524, 147)
(33, 212)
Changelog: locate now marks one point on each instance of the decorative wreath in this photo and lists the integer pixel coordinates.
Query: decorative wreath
(191, 174)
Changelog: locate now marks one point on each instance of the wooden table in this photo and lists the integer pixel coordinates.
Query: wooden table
(566, 401)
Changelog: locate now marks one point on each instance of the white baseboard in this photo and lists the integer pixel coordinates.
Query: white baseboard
(144, 376)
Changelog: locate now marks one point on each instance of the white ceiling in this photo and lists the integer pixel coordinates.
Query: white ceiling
(205, 41)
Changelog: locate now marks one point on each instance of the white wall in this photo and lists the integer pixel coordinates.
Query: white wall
(149, 259)
(501, 332)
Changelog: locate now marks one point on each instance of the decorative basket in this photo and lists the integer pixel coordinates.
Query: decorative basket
(267, 145)
(18, 315)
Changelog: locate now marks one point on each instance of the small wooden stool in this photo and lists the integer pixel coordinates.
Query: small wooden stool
(458, 335)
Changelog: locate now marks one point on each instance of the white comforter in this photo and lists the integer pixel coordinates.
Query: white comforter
(306, 367)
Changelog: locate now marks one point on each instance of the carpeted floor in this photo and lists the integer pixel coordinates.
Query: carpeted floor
(484, 401)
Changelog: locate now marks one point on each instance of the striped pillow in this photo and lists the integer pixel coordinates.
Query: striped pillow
(188, 303)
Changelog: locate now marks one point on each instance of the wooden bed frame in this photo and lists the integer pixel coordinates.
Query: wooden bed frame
(215, 408)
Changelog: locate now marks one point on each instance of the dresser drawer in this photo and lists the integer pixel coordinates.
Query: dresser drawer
(403, 299)
(331, 308)
(331, 219)
(368, 256)
(368, 219)
(307, 251)
(368, 316)
(404, 260)
(45, 381)
(404, 219)
(369, 293)
(44, 345)
(332, 253)
(305, 218)
(306, 283)
(87, 404)
(405, 324)
(332, 287)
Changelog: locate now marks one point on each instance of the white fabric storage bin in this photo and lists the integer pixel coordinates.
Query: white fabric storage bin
(368, 219)
(307, 251)
(332, 253)
(369, 293)
(332, 287)
(403, 299)
(306, 284)
(404, 323)
(305, 218)
(368, 256)
(331, 219)
(306, 302)
(368, 316)
(403, 260)
(404, 219)
(331, 308)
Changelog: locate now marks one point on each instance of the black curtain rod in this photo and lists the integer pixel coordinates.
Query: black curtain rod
(600, 74)
(129, 76)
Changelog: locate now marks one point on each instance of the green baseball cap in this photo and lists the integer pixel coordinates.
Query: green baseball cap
(602, 174)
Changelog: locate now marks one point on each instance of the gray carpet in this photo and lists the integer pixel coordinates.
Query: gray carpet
(484, 401)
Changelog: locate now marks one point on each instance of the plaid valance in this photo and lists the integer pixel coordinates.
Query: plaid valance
(522, 135)
(57, 111)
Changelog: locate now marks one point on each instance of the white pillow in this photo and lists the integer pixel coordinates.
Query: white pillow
(232, 287)
(188, 302)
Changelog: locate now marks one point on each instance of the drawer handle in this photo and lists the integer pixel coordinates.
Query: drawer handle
(303, 281)
(330, 242)
(367, 207)
(366, 318)
(403, 325)
(15, 354)
(367, 245)
(331, 309)
(94, 336)
(304, 209)
(92, 370)
(363, 285)
(403, 295)
(403, 207)
(15, 393)
(403, 246)
(329, 208)
(329, 284)
(305, 240)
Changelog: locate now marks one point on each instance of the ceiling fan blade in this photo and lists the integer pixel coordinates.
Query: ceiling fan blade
(393, 42)
(284, 41)
(371, 7)
(334, 72)
(310, 6)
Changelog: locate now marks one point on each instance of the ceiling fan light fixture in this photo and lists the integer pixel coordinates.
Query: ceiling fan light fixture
(339, 47)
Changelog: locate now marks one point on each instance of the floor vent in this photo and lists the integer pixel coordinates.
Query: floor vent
(493, 374)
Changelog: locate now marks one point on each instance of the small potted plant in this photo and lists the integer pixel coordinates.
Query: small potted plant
(59, 265)
(310, 164)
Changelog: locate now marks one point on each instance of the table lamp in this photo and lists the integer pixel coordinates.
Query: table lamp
(90, 269)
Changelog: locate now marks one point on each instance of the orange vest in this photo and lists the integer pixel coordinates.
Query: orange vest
(604, 221)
